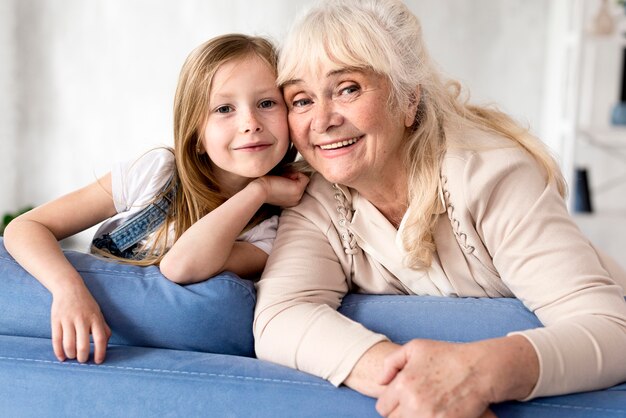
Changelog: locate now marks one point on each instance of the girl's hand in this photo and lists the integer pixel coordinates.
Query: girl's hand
(427, 378)
(76, 315)
(284, 191)
(32, 239)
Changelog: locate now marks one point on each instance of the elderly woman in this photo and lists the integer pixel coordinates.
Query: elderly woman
(419, 192)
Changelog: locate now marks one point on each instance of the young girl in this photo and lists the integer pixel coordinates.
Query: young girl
(207, 206)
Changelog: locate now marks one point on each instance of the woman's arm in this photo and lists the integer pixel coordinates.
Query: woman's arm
(32, 239)
(209, 246)
(550, 266)
(547, 263)
(296, 320)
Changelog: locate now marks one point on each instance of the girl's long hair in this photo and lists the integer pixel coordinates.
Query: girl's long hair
(383, 36)
(196, 190)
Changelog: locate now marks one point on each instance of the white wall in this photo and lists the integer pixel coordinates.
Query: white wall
(97, 77)
(8, 137)
(496, 47)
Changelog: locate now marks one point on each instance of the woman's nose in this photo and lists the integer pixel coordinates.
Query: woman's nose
(325, 117)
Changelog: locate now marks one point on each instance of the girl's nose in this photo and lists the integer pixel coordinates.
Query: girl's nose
(250, 123)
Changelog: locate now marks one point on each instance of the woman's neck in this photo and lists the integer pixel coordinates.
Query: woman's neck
(389, 196)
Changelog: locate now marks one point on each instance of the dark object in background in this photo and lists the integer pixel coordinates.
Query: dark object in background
(582, 195)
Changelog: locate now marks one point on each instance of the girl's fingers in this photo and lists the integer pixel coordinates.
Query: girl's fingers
(57, 341)
(82, 343)
(69, 341)
(101, 334)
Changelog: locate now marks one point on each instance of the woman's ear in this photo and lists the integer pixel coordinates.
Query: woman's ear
(411, 111)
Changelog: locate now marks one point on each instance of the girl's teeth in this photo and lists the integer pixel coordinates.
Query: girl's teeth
(339, 144)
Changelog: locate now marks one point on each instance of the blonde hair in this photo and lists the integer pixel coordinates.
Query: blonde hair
(383, 36)
(196, 190)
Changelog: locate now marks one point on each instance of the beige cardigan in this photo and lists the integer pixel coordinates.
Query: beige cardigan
(503, 233)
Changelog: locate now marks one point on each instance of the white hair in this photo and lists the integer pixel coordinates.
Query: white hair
(384, 36)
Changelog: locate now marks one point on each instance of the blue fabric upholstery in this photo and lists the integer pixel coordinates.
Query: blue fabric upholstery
(141, 382)
(141, 306)
(182, 351)
(403, 318)
(150, 382)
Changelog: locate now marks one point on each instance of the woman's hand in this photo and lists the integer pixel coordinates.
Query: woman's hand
(284, 191)
(433, 379)
(75, 315)
(427, 378)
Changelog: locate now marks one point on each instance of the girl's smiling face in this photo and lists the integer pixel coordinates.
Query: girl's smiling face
(246, 132)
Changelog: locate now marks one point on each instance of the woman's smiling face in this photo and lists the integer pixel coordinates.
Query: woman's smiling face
(341, 122)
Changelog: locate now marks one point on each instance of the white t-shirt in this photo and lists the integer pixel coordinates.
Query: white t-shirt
(135, 183)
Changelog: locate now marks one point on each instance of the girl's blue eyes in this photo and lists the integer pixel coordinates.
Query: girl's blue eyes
(265, 104)
(224, 109)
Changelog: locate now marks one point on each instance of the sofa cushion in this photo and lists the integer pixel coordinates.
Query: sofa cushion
(402, 318)
(141, 306)
(145, 309)
(141, 382)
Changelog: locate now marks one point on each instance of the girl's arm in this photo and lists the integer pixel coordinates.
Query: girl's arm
(32, 239)
(209, 246)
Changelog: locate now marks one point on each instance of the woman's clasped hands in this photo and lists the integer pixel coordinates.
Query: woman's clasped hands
(426, 378)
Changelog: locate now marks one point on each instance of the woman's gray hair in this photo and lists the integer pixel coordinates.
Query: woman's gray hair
(381, 35)
(384, 36)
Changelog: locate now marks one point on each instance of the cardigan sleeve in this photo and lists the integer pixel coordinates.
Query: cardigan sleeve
(296, 320)
(547, 263)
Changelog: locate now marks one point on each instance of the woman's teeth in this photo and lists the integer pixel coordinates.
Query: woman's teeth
(339, 144)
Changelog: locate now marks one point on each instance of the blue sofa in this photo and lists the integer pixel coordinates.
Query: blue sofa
(188, 350)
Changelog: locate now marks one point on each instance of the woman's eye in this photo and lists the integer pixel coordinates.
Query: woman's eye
(224, 109)
(348, 90)
(300, 102)
(266, 104)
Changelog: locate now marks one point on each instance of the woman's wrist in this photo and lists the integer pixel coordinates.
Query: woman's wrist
(511, 367)
(366, 373)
